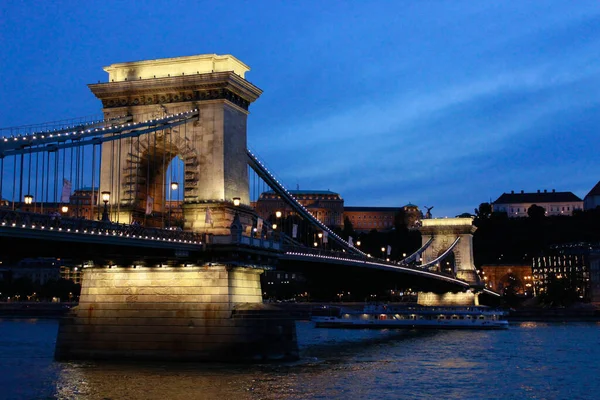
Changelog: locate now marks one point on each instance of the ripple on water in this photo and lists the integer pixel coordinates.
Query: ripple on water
(527, 361)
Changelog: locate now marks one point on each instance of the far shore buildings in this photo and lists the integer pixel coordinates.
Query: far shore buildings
(501, 277)
(555, 203)
(328, 207)
(570, 261)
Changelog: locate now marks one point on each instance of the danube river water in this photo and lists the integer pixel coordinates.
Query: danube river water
(530, 360)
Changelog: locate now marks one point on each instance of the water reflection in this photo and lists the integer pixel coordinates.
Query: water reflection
(529, 360)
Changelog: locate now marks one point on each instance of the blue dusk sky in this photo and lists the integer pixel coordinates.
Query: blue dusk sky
(437, 103)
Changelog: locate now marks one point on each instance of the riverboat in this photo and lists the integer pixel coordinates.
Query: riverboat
(412, 317)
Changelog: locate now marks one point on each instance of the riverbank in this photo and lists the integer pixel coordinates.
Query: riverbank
(34, 309)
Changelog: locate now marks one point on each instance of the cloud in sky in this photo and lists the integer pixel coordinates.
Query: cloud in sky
(446, 103)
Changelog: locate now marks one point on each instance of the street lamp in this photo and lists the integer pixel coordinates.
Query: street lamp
(105, 199)
(383, 252)
(236, 201)
(358, 242)
(64, 209)
(277, 218)
(174, 186)
(28, 200)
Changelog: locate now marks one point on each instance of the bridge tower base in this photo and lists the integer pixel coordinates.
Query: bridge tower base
(467, 298)
(194, 313)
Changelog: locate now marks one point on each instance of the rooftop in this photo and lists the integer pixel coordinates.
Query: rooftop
(539, 197)
(164, 67)
(595, 190)
(372, 209)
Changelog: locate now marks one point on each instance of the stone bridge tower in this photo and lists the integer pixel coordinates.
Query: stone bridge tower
(213, 147)
(444, 232)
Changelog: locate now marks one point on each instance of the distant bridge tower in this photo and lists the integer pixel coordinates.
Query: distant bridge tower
(213, 148)
(445, 231)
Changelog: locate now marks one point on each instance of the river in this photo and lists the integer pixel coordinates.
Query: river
(530, 360)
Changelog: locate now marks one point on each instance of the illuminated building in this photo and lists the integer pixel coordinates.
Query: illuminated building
(566, 261)
(555, 203)
(502, 277)
(365, 219)
(326, 206)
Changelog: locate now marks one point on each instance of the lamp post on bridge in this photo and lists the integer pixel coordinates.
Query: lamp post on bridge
(28, 200)
(278, 223)
(105, 199)
(174, 186)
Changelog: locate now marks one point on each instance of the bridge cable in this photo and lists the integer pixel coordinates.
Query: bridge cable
(29, 177)
(21, 181)
(92, 202)
(120, 171)
(299, 208)
(56, 170)
(147, 179)
(130, 171)
(419, 251)
(165, 188)
(44, 169)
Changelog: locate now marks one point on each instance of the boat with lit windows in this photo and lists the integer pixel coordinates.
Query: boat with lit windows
(412, 317)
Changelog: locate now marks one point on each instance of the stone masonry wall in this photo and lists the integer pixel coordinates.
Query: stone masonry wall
(183, 313)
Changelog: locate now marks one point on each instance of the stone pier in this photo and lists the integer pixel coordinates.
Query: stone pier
(194, 313)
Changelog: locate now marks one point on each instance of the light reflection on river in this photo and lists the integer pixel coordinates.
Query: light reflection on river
(530, 360)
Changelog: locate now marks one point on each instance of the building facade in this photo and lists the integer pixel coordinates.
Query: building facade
(326, 206)
(503, 277)
(554, 203)
(595, 276)
(365, 219)
(567, 261)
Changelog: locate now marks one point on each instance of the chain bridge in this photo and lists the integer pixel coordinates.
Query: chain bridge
(168, 236)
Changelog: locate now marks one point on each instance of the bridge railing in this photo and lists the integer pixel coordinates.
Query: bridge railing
(239, 238)
(55, 221)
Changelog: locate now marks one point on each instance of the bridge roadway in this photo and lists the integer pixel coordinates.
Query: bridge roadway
(27, 234)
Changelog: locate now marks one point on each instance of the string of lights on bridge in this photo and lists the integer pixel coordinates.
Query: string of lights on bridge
(107, 233)
(65, 133)
(379, 264)
(297, 204)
